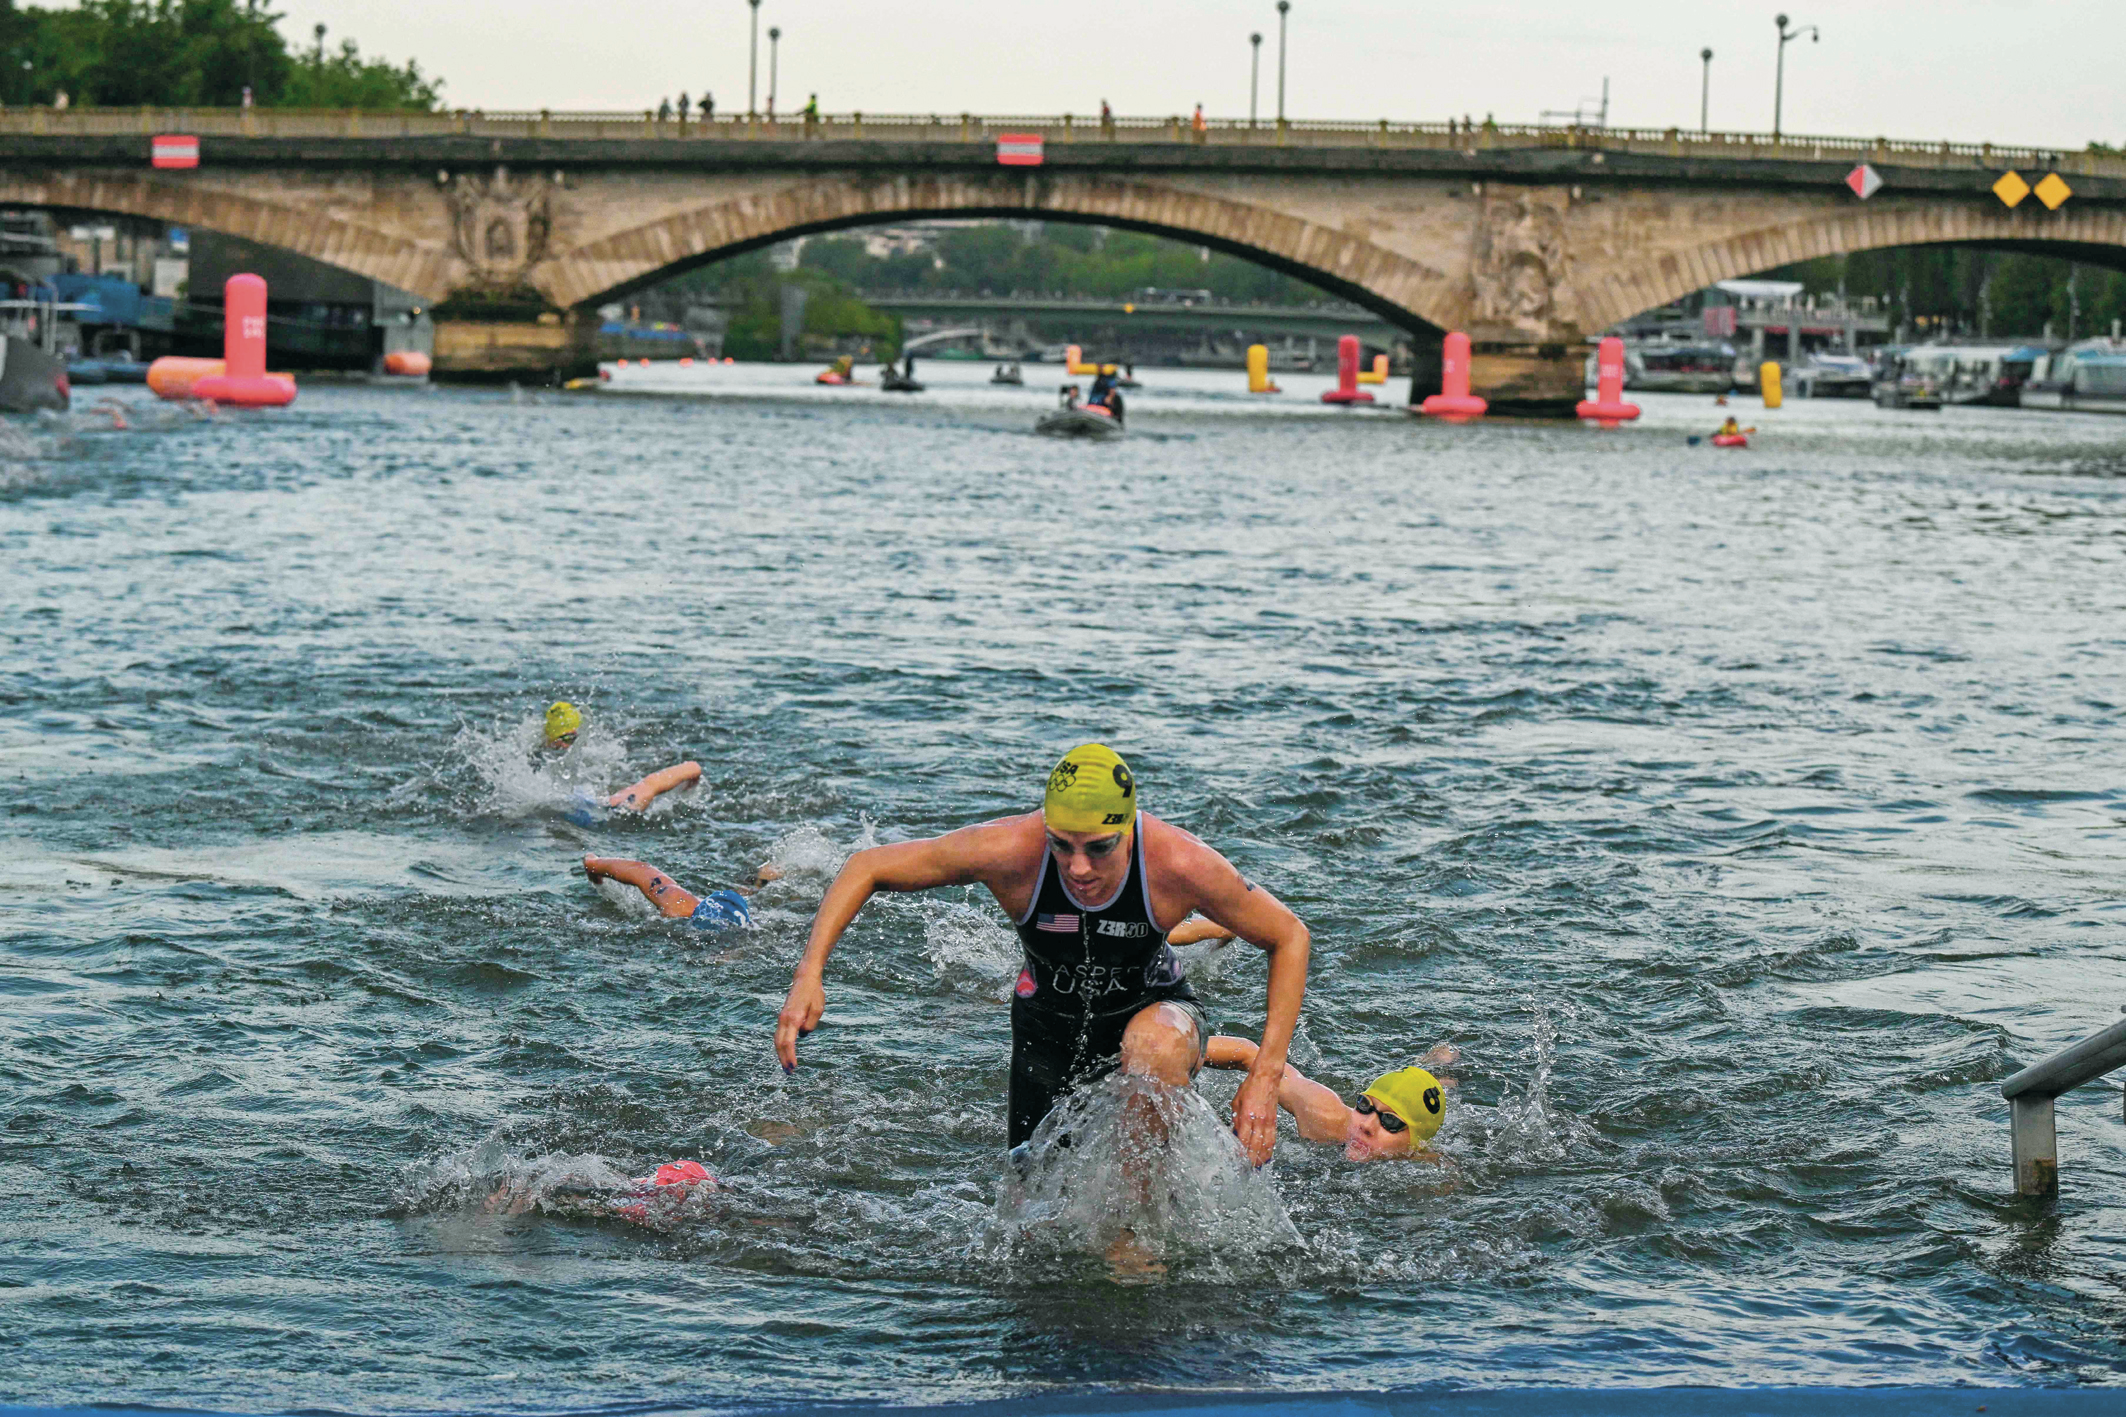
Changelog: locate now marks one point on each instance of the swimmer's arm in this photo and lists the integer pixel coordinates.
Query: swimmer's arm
(1220, 893)
(1320, 1113)
(1195, 930)
(979, 853)
(658, 783)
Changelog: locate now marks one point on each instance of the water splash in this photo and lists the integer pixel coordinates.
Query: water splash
(970, 949)
(490, 1179)
(809, 855)
(514, 776)
(1128, 1164)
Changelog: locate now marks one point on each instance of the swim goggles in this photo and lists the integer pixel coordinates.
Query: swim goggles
(1098, 850)
(1389, 1122)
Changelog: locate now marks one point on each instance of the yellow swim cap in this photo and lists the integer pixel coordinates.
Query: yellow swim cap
(1090, 790)
(1413, 1095)
(562, 718)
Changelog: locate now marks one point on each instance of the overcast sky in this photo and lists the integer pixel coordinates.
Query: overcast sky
(2050, 74)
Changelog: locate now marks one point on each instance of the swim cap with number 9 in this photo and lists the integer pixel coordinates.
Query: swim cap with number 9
(1090, 790)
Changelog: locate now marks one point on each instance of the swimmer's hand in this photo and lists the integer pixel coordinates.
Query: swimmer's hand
(1255, 1114)
(799, 1016)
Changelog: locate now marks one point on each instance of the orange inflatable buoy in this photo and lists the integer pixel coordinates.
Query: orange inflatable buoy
(408, 363)
(172, 376)
(1454, 402)
(245, 382)
(1607, 408)
(1347, 390)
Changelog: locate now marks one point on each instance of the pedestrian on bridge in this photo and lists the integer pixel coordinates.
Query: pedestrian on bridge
(683, 108)
(664, 110)
(708, 106)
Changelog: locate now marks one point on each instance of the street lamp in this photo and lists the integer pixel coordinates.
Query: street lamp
(774, 47)
(1705, 90)
(1284, 7)
(1254, 72)
(1786, 37)
(753, 64)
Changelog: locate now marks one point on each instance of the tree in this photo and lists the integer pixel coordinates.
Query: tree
(185, 53)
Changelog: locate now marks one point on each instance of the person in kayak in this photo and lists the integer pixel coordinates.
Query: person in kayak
(722, 909)
(1093, 885)
(1729, 429)
(1391, 1121)
(564, 721)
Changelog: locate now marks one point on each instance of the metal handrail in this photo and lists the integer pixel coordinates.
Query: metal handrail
(1170, 130)
(2032, 1133)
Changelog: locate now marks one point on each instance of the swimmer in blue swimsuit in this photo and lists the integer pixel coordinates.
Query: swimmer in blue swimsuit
(723, 909)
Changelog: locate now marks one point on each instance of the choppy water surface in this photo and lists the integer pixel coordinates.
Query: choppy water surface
(1743, 817)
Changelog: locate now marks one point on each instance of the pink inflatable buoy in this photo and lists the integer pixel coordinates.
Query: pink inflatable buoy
(1607, 408)
(1454, 402)
(246, 384)
(1347, 390)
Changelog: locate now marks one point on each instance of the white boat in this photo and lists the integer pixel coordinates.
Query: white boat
(1831, 376)
(2089, 377)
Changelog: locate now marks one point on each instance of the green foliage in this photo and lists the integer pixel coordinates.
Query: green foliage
(1943, 288)
(177, 53)
(1059, 259)
(750, 291)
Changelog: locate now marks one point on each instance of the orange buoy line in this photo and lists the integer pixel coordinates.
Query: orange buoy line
(239, 377)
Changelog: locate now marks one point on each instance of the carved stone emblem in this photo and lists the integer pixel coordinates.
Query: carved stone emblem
(500, 226)
(1518, 267)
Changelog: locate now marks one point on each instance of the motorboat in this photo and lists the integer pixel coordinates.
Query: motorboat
(1901, 385)
(1008, 375)
(2089, 377)
(1071, 419)
(1667, 366)
(1963, 373)
(1831, 376)
(899, 381)
(31, 378)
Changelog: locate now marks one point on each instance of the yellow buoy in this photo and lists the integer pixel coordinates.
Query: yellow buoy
(1768, 381)
(1259, 370)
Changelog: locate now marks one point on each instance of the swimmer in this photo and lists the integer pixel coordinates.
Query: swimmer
(563, 722)
(653, 1200)
(721, 909)
(1093, 886)
(1392, 1120)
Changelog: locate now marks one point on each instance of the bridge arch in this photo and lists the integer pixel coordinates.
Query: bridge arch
(328, 236)
(1401, 290)
(2094, 235)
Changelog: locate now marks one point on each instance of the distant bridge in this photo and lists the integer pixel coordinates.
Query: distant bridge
(1531, 239)
(1301, 321)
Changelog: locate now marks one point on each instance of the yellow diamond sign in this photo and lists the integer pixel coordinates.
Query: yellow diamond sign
(2011, 188)
(2051, 190)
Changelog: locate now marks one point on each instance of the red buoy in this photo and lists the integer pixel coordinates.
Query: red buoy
(1347, 390)
(243, 342)
(1607, 408)
(1454, 402)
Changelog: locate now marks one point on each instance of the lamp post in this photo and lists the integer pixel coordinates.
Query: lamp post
(1284, 7)
(753, 64)
(774, 47)
(1705, 91)
(1786, 37)
(1254, 72)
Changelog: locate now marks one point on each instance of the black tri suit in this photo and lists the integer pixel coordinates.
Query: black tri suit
(1088, 972)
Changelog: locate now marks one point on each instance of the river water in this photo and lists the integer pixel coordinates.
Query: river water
(1743, 817)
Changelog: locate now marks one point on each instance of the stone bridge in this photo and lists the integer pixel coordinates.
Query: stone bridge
(1531, 240)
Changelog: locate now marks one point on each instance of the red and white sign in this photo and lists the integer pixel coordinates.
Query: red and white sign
(1019, 149)
(1865, 181)
(169, 150)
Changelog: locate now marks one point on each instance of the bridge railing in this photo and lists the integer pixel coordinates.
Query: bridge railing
(1448, 135)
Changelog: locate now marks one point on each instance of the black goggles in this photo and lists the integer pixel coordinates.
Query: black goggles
(1389, 1122)
(1098, 850)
